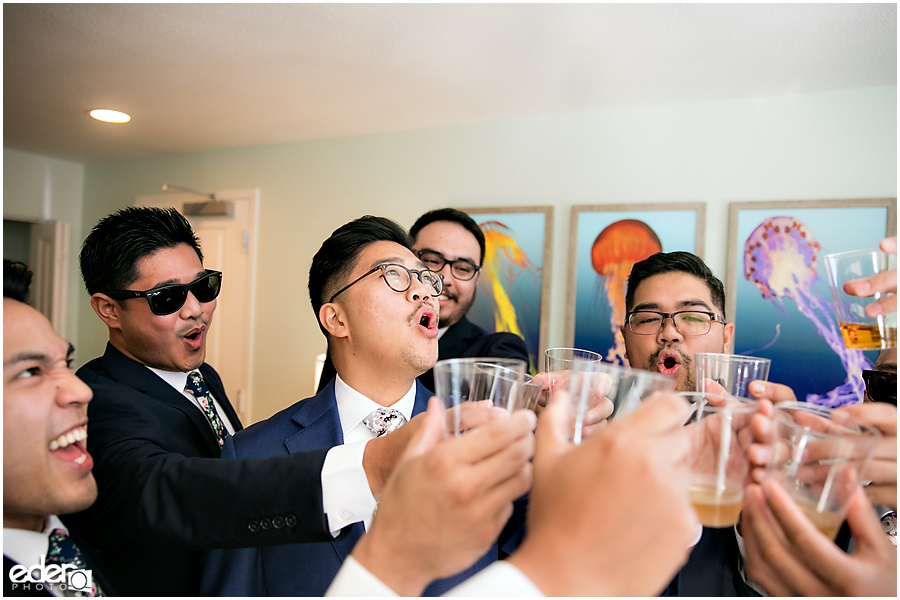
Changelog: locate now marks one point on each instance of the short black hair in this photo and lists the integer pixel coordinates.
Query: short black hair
(16, 280)
(675, 262)
(337, 256)
(454, 216)
(110, 253)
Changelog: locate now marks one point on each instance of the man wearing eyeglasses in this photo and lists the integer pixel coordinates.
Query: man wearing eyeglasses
(376, 303)
(675, 308)
(449, 242)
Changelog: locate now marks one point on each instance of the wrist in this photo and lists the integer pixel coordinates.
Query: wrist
(372, 462)
(380, 558)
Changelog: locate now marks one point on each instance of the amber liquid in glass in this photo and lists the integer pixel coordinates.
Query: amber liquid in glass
(863, 337)
(717, 510)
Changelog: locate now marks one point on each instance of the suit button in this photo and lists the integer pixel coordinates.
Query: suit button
(253, 526)
(290, 521)
(265, 523)
(278, 522)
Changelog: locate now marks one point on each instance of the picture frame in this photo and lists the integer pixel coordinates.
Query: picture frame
(777, 291)
(514, 286)
(605, 241)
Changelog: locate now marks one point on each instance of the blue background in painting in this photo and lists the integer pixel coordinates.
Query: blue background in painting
(800, 357)
(524, 291)
(676, 230)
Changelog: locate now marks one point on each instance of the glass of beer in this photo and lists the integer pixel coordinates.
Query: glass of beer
(820, 457)
(859, 330)
(720, 433)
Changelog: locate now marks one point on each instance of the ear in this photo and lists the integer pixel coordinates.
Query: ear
(728, 332)
(107, 309)
(332, 318)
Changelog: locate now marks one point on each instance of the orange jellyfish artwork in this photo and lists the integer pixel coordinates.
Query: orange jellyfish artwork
(504, 260)
(613, 254)
(780, 260)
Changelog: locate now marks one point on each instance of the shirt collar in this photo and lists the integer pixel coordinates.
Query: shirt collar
(26, 547)
(353, 407)
(177, 379)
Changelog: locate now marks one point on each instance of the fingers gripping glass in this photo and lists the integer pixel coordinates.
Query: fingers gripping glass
(687, 322)
(399, 278)
(460, 269)
(166, 299)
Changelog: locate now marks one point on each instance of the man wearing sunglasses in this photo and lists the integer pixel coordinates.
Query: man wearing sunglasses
(376, 303)
(160, 416)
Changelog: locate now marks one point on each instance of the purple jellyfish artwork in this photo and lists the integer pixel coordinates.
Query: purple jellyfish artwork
(780, 260)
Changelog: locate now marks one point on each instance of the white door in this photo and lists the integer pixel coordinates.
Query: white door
(228, 244)
(49, 258)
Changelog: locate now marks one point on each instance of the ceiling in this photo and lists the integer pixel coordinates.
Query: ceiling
(203, 76)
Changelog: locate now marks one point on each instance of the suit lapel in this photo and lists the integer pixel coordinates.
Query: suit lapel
(138, 377)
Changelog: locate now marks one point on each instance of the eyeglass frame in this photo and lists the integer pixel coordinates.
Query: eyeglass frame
(713, 317)
(382, 267)
(189, 287)
(447, 261)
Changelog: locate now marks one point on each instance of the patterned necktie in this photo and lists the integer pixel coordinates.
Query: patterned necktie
(384, 420)
(63, 551)
(196, 387)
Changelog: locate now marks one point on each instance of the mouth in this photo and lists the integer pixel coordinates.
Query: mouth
(194, 337)
(428, 322)
(71, 447)
(669, 363)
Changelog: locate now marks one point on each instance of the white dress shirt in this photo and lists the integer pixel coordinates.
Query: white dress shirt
(499, 579)
(346, 496)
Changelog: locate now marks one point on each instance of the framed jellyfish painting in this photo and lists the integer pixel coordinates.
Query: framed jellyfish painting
(606, 241)
(514, 286)
(777, 291)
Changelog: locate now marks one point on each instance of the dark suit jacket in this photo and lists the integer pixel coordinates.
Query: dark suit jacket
(161, 499)
(464, 339)
(299, 569)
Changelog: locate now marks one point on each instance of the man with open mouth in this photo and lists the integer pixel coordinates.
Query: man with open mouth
(377, 305)
(46, 465)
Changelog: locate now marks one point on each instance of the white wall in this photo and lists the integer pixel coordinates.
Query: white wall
(797, 147)
(37, 188)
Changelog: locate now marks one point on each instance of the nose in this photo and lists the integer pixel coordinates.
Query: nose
(72, 390)
(418, 290)
(668, 333)
(192, 307)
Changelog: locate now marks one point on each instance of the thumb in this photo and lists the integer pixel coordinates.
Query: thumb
(551, 437)
(429, 433)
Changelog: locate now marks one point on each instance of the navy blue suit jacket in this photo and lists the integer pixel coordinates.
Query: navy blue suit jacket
(299, 569)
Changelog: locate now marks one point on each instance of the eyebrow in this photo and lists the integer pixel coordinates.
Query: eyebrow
(463, 258)
(174, 281)
(394, 260)
(42, 357)
(690, 303)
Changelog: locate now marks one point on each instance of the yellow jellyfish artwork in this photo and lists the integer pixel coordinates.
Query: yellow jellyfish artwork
(503, 261)
(780, 260)
(615, 251)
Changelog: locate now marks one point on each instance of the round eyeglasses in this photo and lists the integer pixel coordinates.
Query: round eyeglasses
(687, 322)
(399, 278)
(461, 269)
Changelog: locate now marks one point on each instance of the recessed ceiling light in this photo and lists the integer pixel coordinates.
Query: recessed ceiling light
(110, 116)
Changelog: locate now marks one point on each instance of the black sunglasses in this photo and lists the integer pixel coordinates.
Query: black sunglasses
(881, 386)
(166, 299)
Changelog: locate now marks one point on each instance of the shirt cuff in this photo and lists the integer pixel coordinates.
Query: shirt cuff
(353, 579)
(500, 579)
(346, 497)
